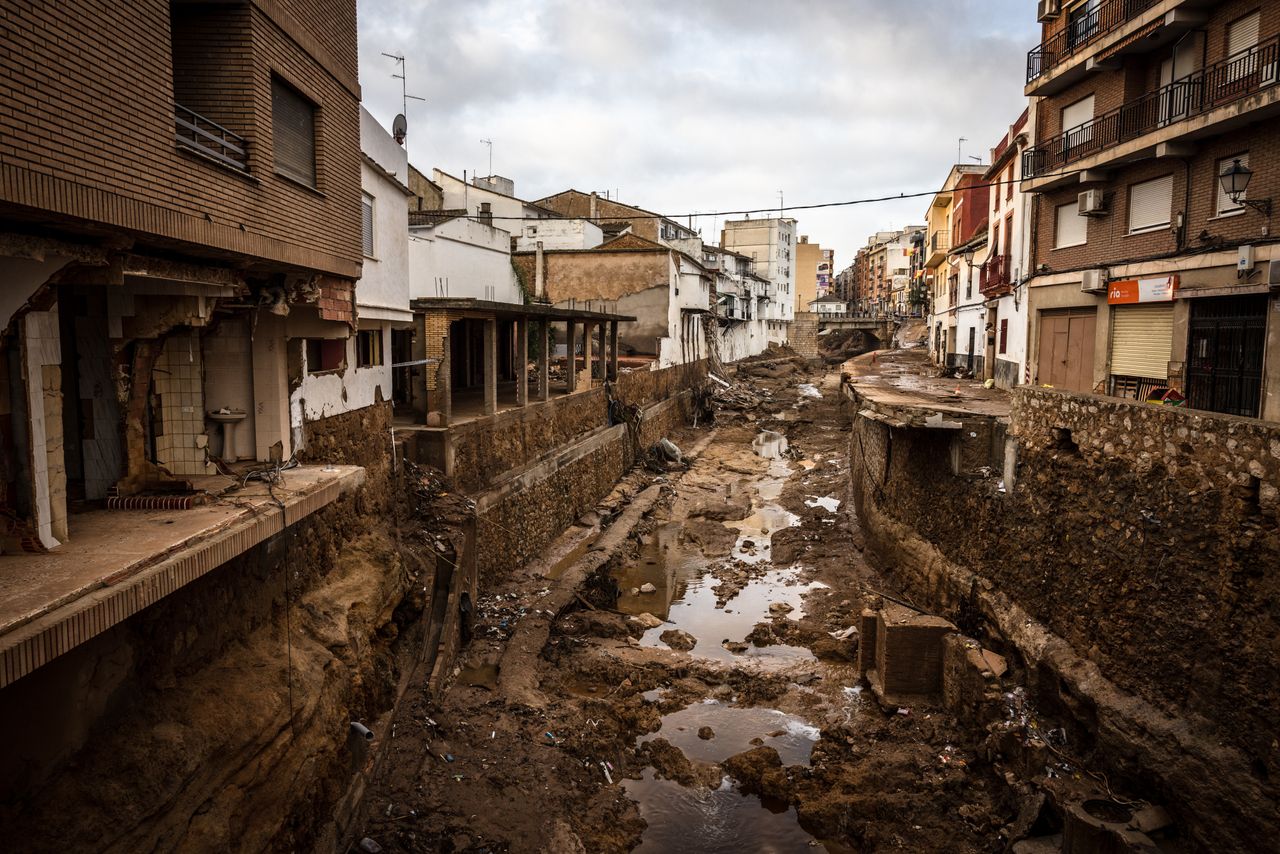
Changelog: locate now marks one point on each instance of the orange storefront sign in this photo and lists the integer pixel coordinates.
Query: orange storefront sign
(1133, 291)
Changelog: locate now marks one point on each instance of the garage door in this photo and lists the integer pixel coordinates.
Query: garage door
(1141, 340)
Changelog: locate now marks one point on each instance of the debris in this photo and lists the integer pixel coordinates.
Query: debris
(706, 733)
(648, 587)
(368, 846)
(717, 379)
(777, 609)
(809, 390)
(647, 620)
(904, 711)
(845, 634)
(678, 639)
(668, 450)
(995, 663)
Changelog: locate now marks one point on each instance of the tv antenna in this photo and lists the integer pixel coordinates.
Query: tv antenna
(960, 148)
(402, 76)
(489, 143)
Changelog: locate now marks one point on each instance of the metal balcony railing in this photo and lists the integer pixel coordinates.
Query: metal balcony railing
(1081, 30)
(994, 277)
(939, 242)
(1239, 76)
(210, 138)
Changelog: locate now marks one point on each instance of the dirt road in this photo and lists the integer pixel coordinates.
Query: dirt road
(699, 693)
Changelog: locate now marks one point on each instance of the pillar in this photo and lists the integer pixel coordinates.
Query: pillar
(571, 361)
(490, 366)
(613, 350)
(522, 361)
(444, 383)
(603, 365)
(586, 353)
(544, 362)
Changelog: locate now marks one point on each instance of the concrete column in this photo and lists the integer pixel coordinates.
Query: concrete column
(490, 366)
(521, 361)
(444, 383)
(571, 362)
(273, 439)
(586, 353)
(613, 350)
(603, 365)
(544, 362)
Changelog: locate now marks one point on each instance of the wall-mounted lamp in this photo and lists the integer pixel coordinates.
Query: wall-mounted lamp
(968, 256)
(1235, 180)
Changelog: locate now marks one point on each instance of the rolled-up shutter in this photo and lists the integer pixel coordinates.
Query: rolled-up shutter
(293, 133)
(1141, 340)
(1151, 204)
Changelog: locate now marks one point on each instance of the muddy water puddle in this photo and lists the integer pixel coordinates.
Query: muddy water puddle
(734, 728)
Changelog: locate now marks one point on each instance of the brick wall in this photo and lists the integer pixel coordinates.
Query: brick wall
(573, 203)
(94, 139)
(1108, 239)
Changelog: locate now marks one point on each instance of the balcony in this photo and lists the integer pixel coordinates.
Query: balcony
(939, 243)
(1109, 29)
(994, 279)
(210, 139)
(1211, 101)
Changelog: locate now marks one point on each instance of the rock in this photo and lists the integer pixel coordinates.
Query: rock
(648, 587)
(670, 763)
(634, 591)
(995, 663)
(706, 733)
(678, 639)
(734, 646)
(647, 620)
(368, 846)
(750, 767)
(778, 609)
(1149, 819)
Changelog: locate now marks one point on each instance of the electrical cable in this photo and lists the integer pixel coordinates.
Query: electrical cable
(489, 218)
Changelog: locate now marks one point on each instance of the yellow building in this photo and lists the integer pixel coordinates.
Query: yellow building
(808, 258)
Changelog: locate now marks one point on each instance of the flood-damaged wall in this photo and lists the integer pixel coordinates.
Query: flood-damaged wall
(1131, 558)
(217, 719)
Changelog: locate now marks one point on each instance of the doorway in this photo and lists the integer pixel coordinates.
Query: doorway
(1067, 339)
(1225, 345)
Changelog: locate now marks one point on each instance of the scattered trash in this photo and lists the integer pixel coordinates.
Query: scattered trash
(668, 450)
(809, 390)
(989, 384)
(904, 711)
(607, 776)
(448, 757)
(845, 634)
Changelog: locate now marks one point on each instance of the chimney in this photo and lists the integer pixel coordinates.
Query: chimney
(595, 205)
(539, 277)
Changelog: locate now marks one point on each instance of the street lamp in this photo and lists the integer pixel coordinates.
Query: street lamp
(1235, 180)
(968, 256)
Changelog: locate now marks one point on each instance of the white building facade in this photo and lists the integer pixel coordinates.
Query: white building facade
(771, 245)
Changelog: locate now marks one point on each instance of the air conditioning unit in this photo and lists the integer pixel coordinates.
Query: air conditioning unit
(1273, 274)
(1092, 203)
(1048, 10)
(1093, 282)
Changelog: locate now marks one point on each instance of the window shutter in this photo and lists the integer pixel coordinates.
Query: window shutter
(1225, 205)
(1141, 340)
(1150, 204)
(1077, 114)
(293, 129)
(366, 225)
(1243, 34)
(1072, 228)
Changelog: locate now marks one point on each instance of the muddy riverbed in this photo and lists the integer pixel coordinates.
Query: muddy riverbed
(713, 705)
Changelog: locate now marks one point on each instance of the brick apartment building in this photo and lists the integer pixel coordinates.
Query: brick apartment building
(179, 212)
(1147, 272)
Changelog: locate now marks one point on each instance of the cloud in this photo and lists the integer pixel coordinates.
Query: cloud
(706, 106)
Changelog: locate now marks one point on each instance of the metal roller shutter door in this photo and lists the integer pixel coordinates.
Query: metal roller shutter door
(1141, 340)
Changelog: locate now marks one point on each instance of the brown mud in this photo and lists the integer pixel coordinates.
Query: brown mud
(752, 733)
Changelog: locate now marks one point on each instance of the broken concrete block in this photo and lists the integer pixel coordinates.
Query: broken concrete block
(909, 652)
(866, 642)
(995, 663)
(1149, 819)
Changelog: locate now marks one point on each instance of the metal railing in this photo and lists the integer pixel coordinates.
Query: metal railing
(993, 279)
(210, 138)
(1081, 31)
(939, 242)
(1246, 73)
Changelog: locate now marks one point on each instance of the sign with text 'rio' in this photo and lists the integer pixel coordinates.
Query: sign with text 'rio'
(1131, 291)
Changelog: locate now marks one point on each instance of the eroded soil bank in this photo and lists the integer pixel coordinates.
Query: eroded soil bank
(699, 693)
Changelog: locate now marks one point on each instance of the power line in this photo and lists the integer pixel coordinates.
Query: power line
(771, 210)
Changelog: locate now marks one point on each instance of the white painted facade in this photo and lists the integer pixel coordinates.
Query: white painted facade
(1010, 234)
(970, 313)
(508, 212)
(556, 234)
(689, 297)
(462, 258)
(742, 310)
(771, 244)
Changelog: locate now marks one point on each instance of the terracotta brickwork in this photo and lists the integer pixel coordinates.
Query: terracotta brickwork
(94, 140)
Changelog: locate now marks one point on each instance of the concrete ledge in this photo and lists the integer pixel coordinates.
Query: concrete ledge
(111, 573)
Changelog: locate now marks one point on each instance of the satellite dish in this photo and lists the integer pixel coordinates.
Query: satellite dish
(399, 128)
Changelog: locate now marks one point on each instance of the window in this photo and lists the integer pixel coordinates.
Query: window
(1226, 207)
(293, 129)
(326, 354)
(366, 224)
(1077, 123)
(1072, 229)
(369, 348)
(1150, 205)
(1009, 191)
(1242, 41)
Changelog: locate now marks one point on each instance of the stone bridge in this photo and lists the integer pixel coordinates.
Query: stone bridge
(878, 331)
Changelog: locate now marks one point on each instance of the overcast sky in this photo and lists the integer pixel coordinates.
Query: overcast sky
(706, 105)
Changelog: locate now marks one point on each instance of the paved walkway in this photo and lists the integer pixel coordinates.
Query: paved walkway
(903, 384)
